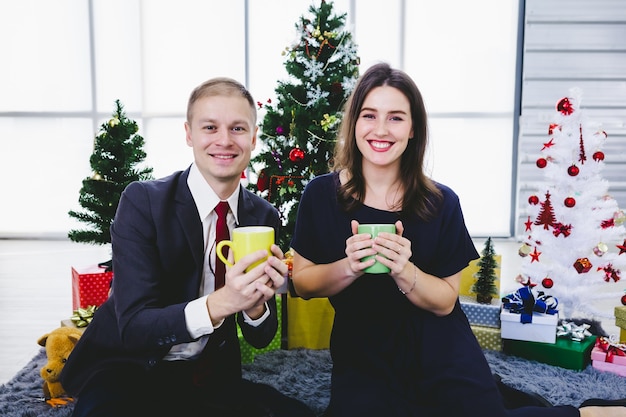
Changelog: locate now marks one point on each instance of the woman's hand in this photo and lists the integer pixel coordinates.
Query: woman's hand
(358, 246)
(395, 251)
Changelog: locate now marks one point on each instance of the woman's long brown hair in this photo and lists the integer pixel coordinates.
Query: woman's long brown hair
(421, 195)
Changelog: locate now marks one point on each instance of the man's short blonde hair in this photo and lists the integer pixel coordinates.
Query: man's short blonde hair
(220, 86)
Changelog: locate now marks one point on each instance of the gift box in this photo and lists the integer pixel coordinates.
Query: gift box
(481, 314)
(309, 322)
(488, 337)
(597, 354)
(565, 352)
(468, 279)
(70, 323)
(90, 286)
(249, 352)
(582, 265)
(542, 327)
(620, 317)
(609, 367)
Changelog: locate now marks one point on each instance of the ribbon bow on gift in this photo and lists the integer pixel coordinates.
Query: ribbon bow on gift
(524, 303)
(571, 330)
(83, 316)
(611, 347)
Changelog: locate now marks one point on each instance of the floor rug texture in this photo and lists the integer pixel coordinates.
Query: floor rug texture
(305, 374)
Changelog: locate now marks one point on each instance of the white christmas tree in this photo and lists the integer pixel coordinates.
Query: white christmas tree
(573, 246)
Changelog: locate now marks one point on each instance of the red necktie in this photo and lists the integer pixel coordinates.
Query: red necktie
(221, 233)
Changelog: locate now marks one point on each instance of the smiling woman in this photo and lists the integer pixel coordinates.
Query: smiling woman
(382, 133)
(65, 67)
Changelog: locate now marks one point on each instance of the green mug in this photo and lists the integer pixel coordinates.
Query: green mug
(373, 230)
(245, 240)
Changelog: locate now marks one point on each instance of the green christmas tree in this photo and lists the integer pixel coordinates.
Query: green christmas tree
(485, 287)
(118, 150)
(299, 130)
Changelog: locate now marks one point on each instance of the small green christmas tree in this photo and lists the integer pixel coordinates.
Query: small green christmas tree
(299, 130)
(485, 287)
(118, 149)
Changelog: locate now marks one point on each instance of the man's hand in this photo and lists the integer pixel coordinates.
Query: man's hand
(248, 291)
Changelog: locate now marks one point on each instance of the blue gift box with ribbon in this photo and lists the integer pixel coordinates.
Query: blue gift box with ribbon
(529, 316)
(481, 314)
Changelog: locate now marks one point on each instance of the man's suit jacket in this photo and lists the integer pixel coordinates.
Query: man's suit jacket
(158, 255)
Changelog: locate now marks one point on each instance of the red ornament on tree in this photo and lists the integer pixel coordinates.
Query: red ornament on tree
(542, 162)
(573, 170)
(296, 155)
(263, 182)
(533, 199)
(598, 156)
(547, 282)
(552, 127)
(582, 265)
(564, 106)
(569, 202)
(546, 214)
(624, 300)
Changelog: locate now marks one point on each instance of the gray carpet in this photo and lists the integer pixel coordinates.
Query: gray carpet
(305, 374)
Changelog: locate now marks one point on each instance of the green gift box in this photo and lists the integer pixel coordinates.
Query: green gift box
(249, 352)
(488, 337)
(565, 353)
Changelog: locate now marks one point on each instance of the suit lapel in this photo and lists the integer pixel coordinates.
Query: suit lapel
(187, 213)
(247, 215)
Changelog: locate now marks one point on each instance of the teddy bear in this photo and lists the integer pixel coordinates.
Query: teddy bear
(59, 344)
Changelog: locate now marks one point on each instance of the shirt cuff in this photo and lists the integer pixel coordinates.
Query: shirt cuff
(198, 320)
(257, 322)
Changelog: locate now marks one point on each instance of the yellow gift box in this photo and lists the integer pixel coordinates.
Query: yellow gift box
(309, 322)
(468, 279)
(488, 337)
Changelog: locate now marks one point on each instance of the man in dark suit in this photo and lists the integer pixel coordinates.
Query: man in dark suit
(165, 342)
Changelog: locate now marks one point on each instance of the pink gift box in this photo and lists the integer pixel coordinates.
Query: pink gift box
(90, 286)
(597, 354)
(609, 367)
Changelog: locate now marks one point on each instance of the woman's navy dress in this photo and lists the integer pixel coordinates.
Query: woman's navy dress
(391, 358)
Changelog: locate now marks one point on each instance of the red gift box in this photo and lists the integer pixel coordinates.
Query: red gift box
(582, 265)
(90, 286)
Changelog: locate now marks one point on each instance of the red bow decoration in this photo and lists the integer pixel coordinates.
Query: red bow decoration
(611, 348)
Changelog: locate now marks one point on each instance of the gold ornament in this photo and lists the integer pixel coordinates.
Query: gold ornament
(96, 177)
(328, 122)
(524, 250)
(114, 122)
(600, 249)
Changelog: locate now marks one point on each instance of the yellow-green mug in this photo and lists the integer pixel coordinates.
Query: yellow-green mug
(373, 230)
(245, 240)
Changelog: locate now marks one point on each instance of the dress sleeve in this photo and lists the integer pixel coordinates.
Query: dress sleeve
(304, 226)
(455, 248)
